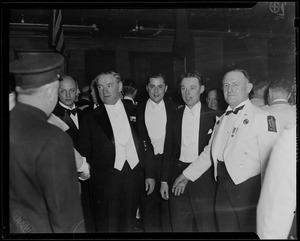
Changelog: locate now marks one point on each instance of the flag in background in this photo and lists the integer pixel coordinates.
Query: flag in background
(56, 35)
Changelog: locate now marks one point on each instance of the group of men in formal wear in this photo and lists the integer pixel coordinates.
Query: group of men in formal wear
(187, 168)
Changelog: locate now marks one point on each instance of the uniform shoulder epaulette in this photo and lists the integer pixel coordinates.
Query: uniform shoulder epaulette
(179, 107)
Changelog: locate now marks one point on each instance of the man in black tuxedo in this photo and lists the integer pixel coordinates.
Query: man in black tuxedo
(65, 108)
(108, 138)
(187, 134)
(67, 111)
(153, 115)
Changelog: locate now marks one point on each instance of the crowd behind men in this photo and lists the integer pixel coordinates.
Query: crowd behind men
(190, 167)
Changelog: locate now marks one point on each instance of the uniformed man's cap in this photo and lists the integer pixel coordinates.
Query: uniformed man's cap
(37, 69)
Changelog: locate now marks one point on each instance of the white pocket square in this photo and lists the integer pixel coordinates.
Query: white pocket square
(210, 131)
(132, 118)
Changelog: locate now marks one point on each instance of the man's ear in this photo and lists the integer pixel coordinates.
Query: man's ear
(249, 87)
(166, 88)
(120, 86)
(50, 92)
(202, 88)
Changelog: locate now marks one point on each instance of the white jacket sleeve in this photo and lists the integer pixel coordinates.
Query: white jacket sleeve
(200, 164)
(277, 202)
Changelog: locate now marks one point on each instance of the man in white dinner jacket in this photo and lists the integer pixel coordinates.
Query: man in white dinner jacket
(239, 149)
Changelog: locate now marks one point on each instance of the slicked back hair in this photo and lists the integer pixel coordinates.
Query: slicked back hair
(194, 74)
(159, 75)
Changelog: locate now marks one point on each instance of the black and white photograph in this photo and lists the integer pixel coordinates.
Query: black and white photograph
(148, 120)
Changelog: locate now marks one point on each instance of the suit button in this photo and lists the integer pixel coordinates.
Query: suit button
(241, 165)
(245, 153)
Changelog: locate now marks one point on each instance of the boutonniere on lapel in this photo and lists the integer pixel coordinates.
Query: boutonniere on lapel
(179, 107)
(217, 120)
(132, 118)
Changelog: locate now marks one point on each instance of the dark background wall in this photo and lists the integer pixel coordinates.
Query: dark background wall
(210, 54)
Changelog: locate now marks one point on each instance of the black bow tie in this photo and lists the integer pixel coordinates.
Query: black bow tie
(234, 111)
(73, 112)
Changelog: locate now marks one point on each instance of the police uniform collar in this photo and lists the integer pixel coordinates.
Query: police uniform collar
(31, 109)
(280, 101)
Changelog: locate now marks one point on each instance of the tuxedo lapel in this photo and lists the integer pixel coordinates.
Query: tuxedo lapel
(67, 119)
(101, 117)
(215, 134)
(203, 128)
(178, 125)
(168, 109)
(62, 113)
(134, 130)
(143, 109)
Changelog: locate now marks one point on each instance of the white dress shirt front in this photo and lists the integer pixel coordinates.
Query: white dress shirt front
(155, 120)
(190, 133)
(125, 148)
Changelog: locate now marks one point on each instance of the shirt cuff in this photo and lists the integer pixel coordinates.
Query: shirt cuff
(186, 176)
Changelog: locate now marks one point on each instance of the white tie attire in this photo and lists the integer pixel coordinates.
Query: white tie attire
(125, 148)
(190, 133)
(155, 120)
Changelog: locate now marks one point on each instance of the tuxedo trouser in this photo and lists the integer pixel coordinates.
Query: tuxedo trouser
(117, 203)
(87, 206)
(155, 210)
(236, 204)
(193, 211)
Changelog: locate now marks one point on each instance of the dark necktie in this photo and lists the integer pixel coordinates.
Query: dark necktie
(234, 111)
(73, 112)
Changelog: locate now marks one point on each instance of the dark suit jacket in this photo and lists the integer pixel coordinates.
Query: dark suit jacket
(131, 110)
(60, 112)
(173, 137)
(96, 142)
(149, 167)
(44, 192)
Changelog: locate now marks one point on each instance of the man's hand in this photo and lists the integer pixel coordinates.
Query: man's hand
(149, 185)
(179, 185)
(164, 190)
